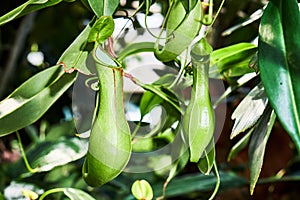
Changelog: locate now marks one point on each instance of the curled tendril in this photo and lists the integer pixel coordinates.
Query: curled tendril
(94, 86)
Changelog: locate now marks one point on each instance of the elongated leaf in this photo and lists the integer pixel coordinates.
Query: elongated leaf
(149, 99)
(104, 7)
(27, 7)
(279, 62)
(75, 56)
(233, 60)
(240, 145)
(33, 98)
(165, 98)
(47, 155)
(136, 48)
(252, 18)
(183, 185)
(172, 115)
(62, 129)
(239, 83)
(76, 194)
(249, 110)
(164, 93)
(258, 144)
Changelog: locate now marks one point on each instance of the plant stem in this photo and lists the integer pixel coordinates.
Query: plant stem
(29, 168)
(217, 182)
(136, 129)
(213, 21)
(180, 73)
(51, 191)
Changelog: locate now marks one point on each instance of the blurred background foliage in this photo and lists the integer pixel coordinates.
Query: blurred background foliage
(51, 31)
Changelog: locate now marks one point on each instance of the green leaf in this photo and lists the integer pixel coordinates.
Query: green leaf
(49, 154)
(148, 101)
(76, 56)
(258, 144)
(27, 7)
(249, 110)
(76, 194)
(205, 163)
(143, 145)
(279, 62)
(33, 98)
(62, 129)
(148, 143)
(187, 184)
(239, 83)
(142, 190)
(104, 7)
(102, 29)
(177, 24)
(136, 48)
(172, 115)
(151, 99)
(240, 145)
(233, 60)
(164, 93)
(188, 4)
(180, 163)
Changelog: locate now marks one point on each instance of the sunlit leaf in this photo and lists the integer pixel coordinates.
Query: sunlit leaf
(33, 98)
(76, 56)
(77, 194)
(164, 93)
(233, 60)
(149, 99)
(104, 7)
(136, 48)
(49, 154)
(101, 30)
(27, 7)
(148, 102)
(142, 190)
(239, 83)
(249, 110)
(279, 62)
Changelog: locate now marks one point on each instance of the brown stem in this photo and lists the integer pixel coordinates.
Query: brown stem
(110, 47)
